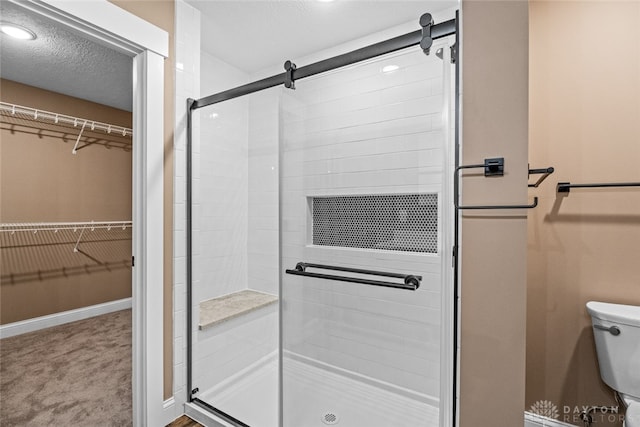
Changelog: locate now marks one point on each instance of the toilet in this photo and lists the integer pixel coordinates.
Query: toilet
(616, 329)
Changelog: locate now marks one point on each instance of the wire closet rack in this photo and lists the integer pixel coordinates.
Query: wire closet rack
(34, 227)
(81, 131)
(39, 251)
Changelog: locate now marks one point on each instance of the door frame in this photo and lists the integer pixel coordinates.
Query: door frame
(148, 46)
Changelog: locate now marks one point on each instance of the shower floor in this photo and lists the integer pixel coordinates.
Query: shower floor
(315, 397)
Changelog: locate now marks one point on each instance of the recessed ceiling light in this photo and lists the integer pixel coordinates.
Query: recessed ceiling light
(390, 68)
(325, 1)
(16, 31)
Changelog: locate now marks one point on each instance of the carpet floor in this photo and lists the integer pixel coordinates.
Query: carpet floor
(77, 374)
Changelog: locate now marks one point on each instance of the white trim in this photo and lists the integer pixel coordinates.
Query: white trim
(56, 319)
(533, 420)
(447, 386)
(169, 411)
(148, 160)
(102, 21)
(457, 215)
(105, 23)
(125, 26)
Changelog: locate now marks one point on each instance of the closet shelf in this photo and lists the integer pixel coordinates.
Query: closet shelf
(41, 123)
(49, 117)
(36, 251)
(34, 227)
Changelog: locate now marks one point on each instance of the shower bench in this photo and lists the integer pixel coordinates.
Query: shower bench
(221, 309)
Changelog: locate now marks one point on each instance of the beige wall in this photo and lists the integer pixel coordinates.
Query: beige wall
(494, 122)
(41, 181)
(161, 13)
(585, 121)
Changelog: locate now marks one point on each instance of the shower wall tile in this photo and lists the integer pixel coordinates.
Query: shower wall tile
(187, 78)
(179, 373)
(179, 326)
(223, 175)
(361, 131)
(180, 272)
(236, 225)
(179, 357)
(233, 346)
(180, 296)
(180, 217)
(180, 190)
(180, 159)
(263, 222)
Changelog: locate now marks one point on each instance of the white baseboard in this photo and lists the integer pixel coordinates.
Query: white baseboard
(37, 323)
(169, 411)
(533, 420)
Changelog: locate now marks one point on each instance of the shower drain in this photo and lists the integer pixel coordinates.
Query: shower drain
(330, 418)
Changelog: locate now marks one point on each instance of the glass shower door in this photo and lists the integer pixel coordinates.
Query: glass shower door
(234, 313)
(364, 157)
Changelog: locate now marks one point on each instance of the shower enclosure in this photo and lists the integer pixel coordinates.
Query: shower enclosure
(320, 234)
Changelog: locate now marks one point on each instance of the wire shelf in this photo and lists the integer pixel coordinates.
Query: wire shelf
(42, 123)
(34, 227)
(41, 251)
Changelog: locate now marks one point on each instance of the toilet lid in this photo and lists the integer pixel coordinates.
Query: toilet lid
(632, 416)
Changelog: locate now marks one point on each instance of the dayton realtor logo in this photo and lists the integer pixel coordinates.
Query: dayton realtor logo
(576, 414)
(544, 408)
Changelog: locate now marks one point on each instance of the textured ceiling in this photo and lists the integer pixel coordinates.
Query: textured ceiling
(254, 35)
(62, 61)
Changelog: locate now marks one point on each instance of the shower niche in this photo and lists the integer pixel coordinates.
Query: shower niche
(396, 222)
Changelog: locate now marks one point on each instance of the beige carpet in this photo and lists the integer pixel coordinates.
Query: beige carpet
(78, 374)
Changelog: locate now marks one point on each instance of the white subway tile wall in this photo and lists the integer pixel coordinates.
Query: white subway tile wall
(187, 80)
(220, 218)
(228, 348)
(223, 164)
(221, 233)
(235, 228)
(262, 245)
(361, 131)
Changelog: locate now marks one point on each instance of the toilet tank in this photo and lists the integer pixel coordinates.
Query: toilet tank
(618, 355)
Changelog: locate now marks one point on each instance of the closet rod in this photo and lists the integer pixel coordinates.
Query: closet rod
(49, 117)
(57, 226)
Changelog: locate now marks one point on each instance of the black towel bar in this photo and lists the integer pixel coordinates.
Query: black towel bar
(411, 281)
(545, 173)
(492, 167)
(565, 187)
(531, 206)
